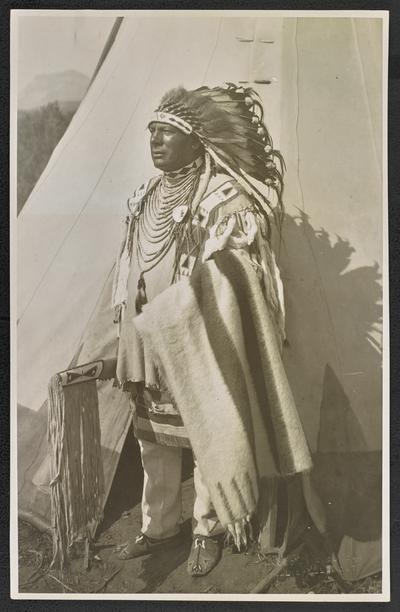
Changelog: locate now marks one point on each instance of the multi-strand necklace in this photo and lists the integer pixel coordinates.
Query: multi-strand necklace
(165, 210)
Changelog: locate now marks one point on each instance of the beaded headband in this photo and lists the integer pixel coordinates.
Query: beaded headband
(174, 120)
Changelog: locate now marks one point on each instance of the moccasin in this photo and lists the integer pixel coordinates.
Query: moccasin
(204, 555)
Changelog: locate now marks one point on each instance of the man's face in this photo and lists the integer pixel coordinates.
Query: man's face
(170, 148)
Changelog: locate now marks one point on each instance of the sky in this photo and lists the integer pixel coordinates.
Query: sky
(48, 44)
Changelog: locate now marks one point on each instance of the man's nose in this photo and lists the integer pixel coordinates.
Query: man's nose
(156, 137)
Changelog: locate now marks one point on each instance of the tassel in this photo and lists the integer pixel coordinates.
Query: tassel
(240, 533)
(141, 297)
(117, 313)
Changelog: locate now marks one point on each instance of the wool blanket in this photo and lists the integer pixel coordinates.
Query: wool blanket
(218, 349)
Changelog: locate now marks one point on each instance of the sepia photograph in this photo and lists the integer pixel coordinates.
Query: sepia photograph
(199, 305)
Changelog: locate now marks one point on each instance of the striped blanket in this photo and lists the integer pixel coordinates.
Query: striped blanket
(217, 347)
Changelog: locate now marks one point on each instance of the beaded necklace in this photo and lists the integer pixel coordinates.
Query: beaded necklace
(163, 219)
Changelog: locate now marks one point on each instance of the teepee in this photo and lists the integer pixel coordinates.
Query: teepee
(320, 80)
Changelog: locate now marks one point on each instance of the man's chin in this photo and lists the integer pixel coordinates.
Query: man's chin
(160, 163)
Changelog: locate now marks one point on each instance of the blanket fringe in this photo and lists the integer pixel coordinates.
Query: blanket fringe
(240, 533)
(77, 485)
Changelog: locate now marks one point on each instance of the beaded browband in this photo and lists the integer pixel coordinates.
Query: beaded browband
(174, 120)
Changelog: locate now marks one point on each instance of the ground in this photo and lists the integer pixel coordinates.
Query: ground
(166, 571)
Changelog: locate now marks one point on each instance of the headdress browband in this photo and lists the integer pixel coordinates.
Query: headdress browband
(170, 119)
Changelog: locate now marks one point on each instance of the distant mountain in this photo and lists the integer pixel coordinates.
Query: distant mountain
(45, 108)
(67, 88)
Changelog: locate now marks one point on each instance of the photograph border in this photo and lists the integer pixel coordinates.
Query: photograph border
(210, 597)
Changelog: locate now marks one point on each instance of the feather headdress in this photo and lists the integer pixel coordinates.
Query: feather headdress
(229, 122)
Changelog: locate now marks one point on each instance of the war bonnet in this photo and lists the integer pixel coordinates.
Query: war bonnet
(229, 123)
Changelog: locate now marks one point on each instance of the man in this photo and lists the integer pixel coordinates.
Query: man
(212, 199)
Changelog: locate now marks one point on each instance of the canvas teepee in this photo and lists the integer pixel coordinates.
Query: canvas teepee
(320, 82)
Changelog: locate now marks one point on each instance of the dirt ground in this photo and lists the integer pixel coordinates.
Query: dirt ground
(165, 572)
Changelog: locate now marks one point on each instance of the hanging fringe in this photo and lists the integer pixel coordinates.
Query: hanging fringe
(77, 485)
(240, 533)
